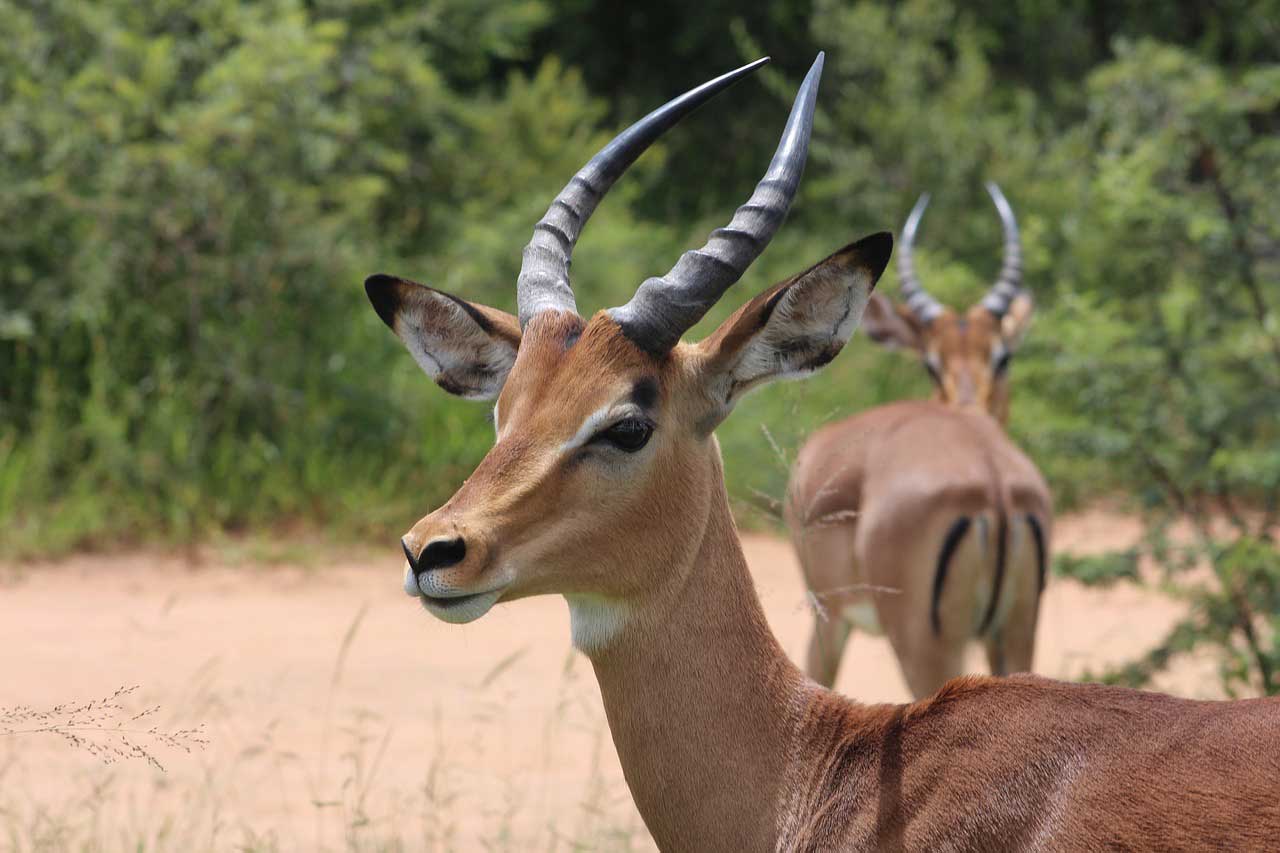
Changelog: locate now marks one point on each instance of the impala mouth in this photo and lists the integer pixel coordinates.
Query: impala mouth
(459, 609)
(452, 606)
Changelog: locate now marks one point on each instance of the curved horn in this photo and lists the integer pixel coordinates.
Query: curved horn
(664, 308)
(544, 271)
(1009, 283)
(922, 305)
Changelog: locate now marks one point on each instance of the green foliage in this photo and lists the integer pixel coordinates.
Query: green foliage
(1098, 569)
(1168, 337)
(1235, 612)
(195, 190)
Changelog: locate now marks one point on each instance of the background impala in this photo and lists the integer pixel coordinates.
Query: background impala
(923, 520)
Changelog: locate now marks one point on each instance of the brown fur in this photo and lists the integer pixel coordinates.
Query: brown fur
(1026, 763)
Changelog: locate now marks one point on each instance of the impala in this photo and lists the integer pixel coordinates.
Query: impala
(605, 486)
(922, 519)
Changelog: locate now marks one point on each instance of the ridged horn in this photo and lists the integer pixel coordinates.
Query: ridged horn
(543, 284)
(916, 298)
(1009, 283)
(664, 308)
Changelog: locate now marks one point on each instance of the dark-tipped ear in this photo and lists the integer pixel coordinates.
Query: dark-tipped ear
(891, 326)
(468, 349)
(794, 327)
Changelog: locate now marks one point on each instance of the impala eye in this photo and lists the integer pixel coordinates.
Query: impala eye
(628, 435)
(1002, 362)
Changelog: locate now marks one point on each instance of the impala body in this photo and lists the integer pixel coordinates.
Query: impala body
(922, 520)
(605, 486)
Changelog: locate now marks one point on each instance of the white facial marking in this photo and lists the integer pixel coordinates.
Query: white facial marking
(597, 419)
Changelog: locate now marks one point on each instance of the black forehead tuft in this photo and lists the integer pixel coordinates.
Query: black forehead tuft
(645, 392)
(571, 333)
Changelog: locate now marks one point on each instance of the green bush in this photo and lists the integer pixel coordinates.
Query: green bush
(1167, 337)
(195, 192)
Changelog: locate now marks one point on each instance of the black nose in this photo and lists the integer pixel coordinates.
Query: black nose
(439, 554)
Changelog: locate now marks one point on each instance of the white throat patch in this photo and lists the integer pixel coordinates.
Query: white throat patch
(595, 621)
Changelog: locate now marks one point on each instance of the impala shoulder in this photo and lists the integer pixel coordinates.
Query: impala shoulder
(994, 702)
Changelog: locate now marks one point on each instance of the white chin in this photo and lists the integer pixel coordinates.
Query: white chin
(463, 610)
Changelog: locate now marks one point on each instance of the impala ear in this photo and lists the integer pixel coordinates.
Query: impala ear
(794, 327)
(891, 326)
(1016, 321)
(468, 349)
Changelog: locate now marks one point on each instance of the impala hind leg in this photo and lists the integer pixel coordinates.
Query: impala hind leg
(925, 620)
(826, 647)
(928, 667)
(829, 568)
(1011, 646)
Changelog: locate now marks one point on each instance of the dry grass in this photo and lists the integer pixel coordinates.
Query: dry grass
(107, 810)
(105, 775)
(103, 728)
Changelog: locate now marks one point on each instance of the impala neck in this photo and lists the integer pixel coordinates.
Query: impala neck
(701, 700)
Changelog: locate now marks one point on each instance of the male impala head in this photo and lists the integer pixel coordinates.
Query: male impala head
(600, 481)
(967, 354)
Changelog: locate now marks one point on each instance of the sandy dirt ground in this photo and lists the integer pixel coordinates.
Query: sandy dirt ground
(340, 716)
